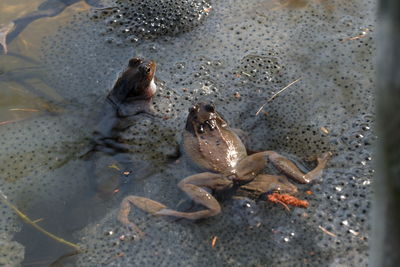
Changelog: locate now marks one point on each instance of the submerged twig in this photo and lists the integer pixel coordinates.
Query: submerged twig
(26, 219)
(283, 204)
(276, 94)
(10, 121)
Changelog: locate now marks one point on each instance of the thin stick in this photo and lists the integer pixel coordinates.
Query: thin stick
(326, 231)
(276, 94)
(24, 109)
(283, 204)
(40, 229)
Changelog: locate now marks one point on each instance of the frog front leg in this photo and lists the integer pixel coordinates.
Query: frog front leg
(250, 166)
(194, 186)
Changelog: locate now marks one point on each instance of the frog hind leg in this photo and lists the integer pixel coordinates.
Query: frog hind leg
(290, 169)
(193, 187)
(250, 166)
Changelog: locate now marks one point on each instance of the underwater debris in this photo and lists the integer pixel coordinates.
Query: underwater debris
(287, 200)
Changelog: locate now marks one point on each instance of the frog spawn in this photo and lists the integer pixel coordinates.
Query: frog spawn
(132, 20)
(259, 69)
(39, 168)
(330, 108)
(11, 252)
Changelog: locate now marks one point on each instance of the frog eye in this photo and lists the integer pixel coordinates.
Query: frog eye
(148, 69)
(135, 62)
(209, 108)
(194, 108)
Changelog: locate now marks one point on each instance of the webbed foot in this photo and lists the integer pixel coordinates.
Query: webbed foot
(142, 203)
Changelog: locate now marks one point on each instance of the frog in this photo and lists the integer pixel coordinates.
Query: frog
(214, 148)
(131, 96)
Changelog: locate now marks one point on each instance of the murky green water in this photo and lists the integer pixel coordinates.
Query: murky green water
(58, 70)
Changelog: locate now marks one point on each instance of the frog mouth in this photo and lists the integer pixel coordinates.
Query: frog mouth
(211, 124)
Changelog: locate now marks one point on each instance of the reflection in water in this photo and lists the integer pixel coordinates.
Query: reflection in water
(49, 8)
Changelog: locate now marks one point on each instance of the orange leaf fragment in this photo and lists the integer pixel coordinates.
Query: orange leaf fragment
(214, 241)
(287, 200)
(208, 9)
(116, 191)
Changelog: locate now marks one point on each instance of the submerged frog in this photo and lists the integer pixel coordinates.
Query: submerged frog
(209, 143)
(130, 96)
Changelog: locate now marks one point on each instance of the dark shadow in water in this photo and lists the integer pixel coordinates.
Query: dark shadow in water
(49, 8)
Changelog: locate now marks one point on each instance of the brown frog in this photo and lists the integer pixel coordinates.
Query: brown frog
(130, 96)
(213, 146)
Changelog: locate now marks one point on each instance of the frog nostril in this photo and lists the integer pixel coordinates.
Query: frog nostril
(209, 108)
(148, 69)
